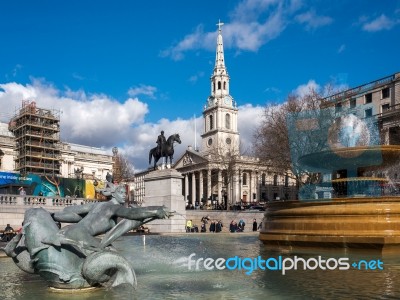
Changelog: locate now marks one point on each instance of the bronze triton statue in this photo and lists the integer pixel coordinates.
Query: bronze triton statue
(74, 257)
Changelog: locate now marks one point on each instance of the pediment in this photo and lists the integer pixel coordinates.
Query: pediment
(189, 158)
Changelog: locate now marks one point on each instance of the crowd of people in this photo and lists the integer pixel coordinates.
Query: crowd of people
(216, 226)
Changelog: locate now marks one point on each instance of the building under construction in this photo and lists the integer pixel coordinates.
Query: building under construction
(37, 136)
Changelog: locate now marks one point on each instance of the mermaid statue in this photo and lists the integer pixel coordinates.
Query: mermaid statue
(76, 256)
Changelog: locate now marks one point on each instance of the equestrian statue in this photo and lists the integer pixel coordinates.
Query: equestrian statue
(165, 148)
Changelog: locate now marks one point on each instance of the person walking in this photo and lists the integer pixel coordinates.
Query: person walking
(254, 225)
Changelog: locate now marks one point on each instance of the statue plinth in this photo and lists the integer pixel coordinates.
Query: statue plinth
(164, 187)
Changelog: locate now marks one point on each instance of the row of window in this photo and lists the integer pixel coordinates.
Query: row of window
(369, 112)
(227, 121)
(385, 93)
(219, 85)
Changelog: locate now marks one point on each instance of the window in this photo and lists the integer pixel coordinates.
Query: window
(368, 98)
(244, 179)
(275, 180)
(385, 107)
(353, 103)
(368, 113)
(219, 85)
(228, 121)
(338, 107)
(385, 93)
(211, 120)
(286, 180)
(213, 86)
(224, 85)
(263, 180)
(263, 196)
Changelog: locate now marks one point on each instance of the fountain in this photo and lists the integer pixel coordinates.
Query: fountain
(74, 257)
(352, 205)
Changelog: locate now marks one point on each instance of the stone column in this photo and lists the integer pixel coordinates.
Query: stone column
(200, 185)
(186, 188)
(240, 185)
(193, 188)
(258, 194)
(208, 185)
(219, 186)
(251, 186)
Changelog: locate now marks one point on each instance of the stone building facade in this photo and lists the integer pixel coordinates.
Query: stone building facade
(93, 162)
(376, 102)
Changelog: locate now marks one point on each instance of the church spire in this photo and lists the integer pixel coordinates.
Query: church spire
(219, 57)
(220, 77)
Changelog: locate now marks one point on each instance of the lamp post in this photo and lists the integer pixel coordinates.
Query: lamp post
(116, 166)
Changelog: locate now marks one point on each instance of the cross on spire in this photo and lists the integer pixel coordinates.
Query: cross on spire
(219, 25)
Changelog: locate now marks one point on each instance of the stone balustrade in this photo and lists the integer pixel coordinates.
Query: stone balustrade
(13, 207)
(42, 201)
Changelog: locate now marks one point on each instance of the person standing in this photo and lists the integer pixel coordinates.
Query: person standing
(218, 226)
(254, 225)
(22, 191)
(212, 226)
(161, 140)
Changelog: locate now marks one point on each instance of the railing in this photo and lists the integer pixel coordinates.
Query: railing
(360, 89)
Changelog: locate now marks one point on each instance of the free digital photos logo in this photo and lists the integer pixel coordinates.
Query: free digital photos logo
(282, 264)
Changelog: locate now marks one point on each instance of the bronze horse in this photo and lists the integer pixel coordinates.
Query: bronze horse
(166, 151)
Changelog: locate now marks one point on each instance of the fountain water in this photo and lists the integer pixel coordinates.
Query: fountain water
(164, 275)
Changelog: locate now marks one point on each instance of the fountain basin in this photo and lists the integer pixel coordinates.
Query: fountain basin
(346, 223)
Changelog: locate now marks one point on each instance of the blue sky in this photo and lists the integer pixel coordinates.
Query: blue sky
(120, 71)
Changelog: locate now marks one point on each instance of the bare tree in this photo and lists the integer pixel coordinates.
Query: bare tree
(288, 131)
(123, 169)
(226, 158)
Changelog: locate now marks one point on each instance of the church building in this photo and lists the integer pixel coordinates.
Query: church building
(218, 175)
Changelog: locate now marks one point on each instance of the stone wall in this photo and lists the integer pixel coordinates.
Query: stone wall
(226, 217)
(13, 207)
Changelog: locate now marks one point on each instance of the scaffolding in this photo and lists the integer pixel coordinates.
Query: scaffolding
(37, 136)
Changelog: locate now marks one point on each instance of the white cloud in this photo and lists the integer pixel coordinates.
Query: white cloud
(142, 89)
(100, 121)
(272, 90)
(341, 48)
(252, 24)
(196, 40)
(249, 118)
(312, 21)
(305, 89)
(380, 23)
(195, 77)
(95, 120)
(78, 76)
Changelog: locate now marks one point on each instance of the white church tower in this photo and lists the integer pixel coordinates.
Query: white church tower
(220, 113)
